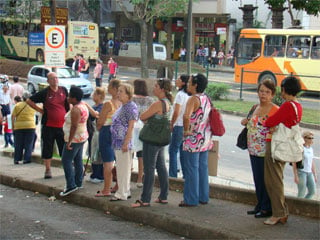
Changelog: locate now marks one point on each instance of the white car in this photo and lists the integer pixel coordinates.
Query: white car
(67, 77)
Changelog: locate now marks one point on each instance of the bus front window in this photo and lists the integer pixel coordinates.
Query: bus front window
(249, 49)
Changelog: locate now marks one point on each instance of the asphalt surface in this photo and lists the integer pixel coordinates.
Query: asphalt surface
(40, 217)
(220, 219)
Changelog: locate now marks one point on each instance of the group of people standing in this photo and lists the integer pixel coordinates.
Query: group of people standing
(207, 56)
(82, 66)
(115, 138)
(268, 176)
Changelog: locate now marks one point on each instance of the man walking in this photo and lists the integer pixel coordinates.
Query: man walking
(55, 106)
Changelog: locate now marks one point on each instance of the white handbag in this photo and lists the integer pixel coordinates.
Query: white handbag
(287, 143)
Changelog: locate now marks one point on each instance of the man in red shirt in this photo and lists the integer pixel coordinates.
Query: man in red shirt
(55, 106)
(112, 65)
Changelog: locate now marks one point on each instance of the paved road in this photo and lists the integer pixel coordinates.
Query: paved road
(38, 218)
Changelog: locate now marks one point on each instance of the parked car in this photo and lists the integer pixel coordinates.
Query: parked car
(37, 76)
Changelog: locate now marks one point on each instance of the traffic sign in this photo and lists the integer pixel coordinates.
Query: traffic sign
(54, 45)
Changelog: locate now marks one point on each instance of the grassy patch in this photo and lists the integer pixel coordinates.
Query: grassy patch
(309, 115)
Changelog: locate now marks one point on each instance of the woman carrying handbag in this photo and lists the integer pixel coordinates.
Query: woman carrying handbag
(289, 116)
(153, 154)
(257, 137)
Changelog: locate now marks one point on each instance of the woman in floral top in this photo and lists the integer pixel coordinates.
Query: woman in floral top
(75, 135)
(257, 137)
(121, 134)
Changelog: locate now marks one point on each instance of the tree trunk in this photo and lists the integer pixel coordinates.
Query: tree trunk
(277, 17)
(150, 41)
(143, 44)
(28, 30)
(169, 38)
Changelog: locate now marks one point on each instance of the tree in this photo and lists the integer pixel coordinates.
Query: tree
(144, 12)
(311, 7)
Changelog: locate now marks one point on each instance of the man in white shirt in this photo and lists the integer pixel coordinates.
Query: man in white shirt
(16, 89)
(4, 98)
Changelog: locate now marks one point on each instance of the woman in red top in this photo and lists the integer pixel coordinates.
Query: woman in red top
(273, 177)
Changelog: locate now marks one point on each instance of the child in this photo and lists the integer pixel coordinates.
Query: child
(7, 133)
(305, 171)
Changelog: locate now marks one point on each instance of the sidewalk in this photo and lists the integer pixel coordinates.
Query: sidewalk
(218, 219)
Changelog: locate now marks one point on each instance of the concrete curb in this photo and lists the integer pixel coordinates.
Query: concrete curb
(297, 206)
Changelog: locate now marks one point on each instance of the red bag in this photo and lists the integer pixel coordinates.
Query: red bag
(215, 121)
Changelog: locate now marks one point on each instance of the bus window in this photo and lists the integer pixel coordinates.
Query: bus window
(249, 49)
(274, 46)
(298, 47)
(315, 52)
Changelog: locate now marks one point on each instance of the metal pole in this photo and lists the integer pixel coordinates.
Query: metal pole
(176, 72)
(207, 70)
(241, 82)
(189, 37)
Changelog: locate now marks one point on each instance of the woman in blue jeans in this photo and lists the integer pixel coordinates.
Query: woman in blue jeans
(153, 156)
(175, 146)
(75, 135)
(196, 143)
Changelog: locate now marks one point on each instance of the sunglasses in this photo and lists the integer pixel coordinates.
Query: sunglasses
(309, 137)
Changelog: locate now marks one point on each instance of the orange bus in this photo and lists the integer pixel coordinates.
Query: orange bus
(278, 53)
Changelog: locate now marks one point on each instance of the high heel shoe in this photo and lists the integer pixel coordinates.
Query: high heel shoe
(275, 220)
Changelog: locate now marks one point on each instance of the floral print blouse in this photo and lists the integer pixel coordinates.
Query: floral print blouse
(258, 135)
(120, 123)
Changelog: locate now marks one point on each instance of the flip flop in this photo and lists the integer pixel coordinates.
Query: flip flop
(101, 194)
(158, 200)
(139, 203)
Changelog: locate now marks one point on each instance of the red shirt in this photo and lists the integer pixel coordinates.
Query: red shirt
(112, 68)
(286, 115)
(6, 129)
(55, 106)
(81, 65)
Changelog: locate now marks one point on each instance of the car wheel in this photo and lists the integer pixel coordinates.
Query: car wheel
(39, 55)
(268, 76)
(31, 88)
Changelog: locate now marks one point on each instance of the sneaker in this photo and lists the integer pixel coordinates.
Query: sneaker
(47, 174)
(95, 180)
(68, 191)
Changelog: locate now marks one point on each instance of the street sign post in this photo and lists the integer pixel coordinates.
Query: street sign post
(54, 45)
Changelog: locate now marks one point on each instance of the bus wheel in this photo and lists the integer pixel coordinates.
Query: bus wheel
(31, 89)
(39, 56)
(268, 76)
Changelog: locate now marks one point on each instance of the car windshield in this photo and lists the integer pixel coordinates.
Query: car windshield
(67, 73)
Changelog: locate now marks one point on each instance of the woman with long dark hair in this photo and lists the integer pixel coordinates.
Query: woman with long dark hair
(179, 106)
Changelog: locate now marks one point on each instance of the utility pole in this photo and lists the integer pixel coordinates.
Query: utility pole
(53, 19)
(189, 37)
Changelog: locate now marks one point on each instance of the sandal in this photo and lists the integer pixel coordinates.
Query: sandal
(139, 203)
(158, 200)
(183, 204)
(101, 194)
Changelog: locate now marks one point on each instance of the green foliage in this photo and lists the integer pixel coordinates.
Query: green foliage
(217, 90)
(312, 7)
(275, 3)
(277, 99)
